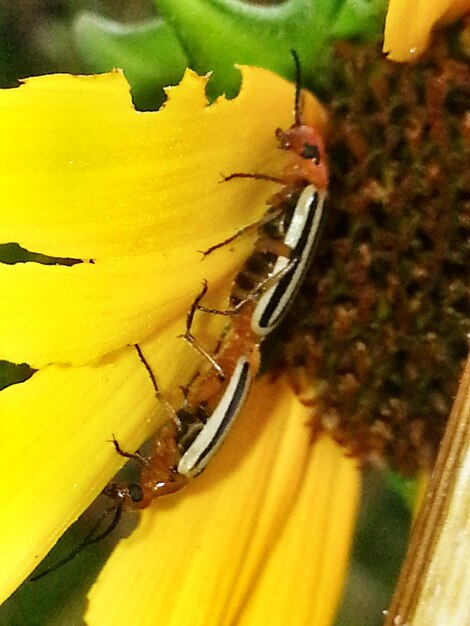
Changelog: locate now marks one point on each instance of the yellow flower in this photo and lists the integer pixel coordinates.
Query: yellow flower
(408, 25)
(134, 196)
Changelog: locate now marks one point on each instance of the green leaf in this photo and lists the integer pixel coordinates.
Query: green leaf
(148, 53)
(360, 19)
(216, 34)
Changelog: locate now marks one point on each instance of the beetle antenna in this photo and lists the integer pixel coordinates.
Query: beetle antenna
(89, 540)
(298, 78)
(148, 368)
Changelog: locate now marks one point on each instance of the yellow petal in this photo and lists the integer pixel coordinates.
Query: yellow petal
(55, 432)
(138, 193)
(198, 557)
(54, 314)
(408, 25)
(104, 180)
(302, 580)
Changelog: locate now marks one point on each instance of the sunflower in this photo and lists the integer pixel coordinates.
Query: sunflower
(113, 206)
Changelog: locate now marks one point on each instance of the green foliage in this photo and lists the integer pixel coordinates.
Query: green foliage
(214, 35)
(359, 19)
(148, 52)
(378, 550)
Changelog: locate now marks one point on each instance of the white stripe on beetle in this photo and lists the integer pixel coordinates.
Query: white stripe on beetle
(302, 237)
(214, 431)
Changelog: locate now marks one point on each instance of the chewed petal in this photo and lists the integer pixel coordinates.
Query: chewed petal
(408, 25)
(55, 432)
(137, 193)
(202, 554)
(84, 175)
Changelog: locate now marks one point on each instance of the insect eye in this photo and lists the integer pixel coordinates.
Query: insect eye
(135, 492)
(310, 151)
